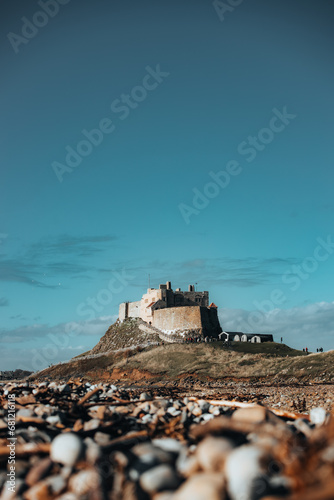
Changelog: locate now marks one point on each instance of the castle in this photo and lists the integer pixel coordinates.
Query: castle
(175, 312)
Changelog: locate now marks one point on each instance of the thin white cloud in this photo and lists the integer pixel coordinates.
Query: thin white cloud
(309, 326)
(39, 331)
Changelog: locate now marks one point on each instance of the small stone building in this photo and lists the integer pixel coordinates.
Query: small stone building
(246, 337)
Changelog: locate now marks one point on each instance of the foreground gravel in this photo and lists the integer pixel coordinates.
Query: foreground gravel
(75, 440)
(298, 396)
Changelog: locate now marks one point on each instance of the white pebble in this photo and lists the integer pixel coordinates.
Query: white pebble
(66, 449)
(242, 468)
(318, 416)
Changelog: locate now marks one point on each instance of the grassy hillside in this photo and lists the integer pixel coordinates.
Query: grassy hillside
(270, 348)
(272, 362)
(266, 360)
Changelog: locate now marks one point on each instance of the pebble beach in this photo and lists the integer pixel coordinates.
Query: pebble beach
(79, 440)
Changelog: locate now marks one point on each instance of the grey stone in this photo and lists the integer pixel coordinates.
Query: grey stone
(65, 388)
(25, 412)
(144, 396)
(92, 424)
(212, 452)
(159, 478)
(93, 451)
(204, 405)
(53, 419)
(102, 438)
(173, 411)
(168, 444)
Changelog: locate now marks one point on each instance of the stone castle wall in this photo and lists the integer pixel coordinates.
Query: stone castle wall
(210, 322)
(134, 309)
(129, 310)
(121, 311)
(179, 319)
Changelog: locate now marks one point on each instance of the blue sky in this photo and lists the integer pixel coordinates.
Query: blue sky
(182, 94)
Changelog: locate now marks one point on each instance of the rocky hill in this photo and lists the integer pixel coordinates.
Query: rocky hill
(126, 334)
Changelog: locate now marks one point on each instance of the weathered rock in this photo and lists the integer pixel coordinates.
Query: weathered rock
(186, 463)
(101, 438)
(53, 419)
(147, 418)
(84, 481)
(25, 400)
(173, 411)
(196, 411)
(65, 388)
(93, 451)
(204, 405)
(92, 424)
(25, 412)
(39, 471)
(256, 414)
(145, 396)
(39, 491)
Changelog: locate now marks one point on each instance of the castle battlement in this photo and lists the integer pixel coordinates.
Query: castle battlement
(174, 311)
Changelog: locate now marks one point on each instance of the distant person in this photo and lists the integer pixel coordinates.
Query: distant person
(303, 349)
(306, 349)
(317, 350)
